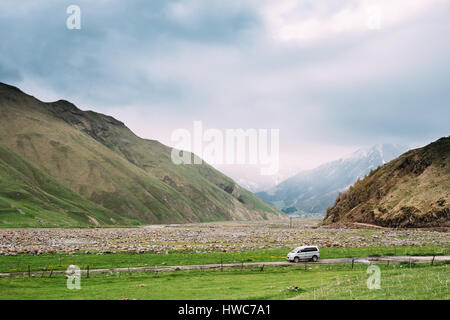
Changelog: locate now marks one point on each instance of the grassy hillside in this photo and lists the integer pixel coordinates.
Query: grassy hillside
(29, 197)
(410, 191)
(101, 160)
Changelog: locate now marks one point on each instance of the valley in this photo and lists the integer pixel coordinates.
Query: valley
(78, 189)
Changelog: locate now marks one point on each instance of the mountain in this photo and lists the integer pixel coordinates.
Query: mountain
(313, 191)
(61, 166)
(410, 191)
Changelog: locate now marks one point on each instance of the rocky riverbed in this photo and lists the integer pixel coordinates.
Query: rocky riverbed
(206, 237)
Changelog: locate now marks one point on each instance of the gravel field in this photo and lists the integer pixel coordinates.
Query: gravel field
(206, 237)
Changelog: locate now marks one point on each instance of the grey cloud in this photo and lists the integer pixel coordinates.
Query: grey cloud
(104, 60)
(8, 74)
(214, 61)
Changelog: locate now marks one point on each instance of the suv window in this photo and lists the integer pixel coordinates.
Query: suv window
(311, 249)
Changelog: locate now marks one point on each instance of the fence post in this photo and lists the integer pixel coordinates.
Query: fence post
(29, 272)
(87, 273)
(353, 262)
(432, 261)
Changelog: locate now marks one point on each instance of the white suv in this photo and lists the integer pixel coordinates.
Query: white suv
(304, 253)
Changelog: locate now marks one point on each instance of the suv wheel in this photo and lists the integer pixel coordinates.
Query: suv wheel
(296, 259)
(315, 258)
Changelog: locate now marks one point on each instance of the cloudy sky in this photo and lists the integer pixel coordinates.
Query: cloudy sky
(332, 75)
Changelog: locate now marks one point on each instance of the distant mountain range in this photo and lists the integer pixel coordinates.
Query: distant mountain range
(311, 192)
(413, 190)
(61, 166)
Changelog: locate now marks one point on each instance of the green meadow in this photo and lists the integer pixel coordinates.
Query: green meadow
(400, 281)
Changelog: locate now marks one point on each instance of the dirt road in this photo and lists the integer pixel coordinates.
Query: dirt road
(364, 260)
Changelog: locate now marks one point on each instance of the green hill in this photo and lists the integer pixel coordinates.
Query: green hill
(29, 197)
(410, 191)
(107, 173)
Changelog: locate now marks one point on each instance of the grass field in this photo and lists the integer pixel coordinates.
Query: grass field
(98, 261)
(316, 282)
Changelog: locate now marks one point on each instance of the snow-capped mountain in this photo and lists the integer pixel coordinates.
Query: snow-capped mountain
(313, 191)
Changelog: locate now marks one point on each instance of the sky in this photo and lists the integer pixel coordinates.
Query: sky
(332, 75)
